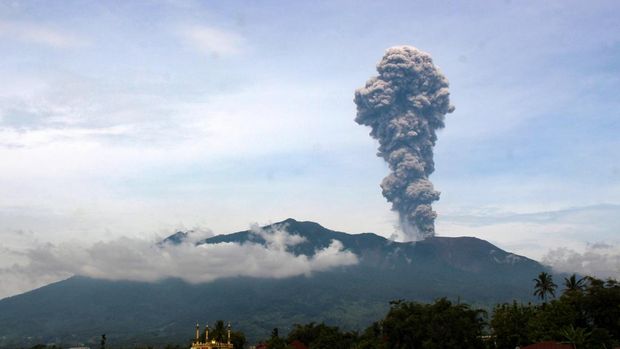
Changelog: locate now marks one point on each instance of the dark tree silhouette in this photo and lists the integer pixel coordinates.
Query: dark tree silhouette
(544, 286)
(572, 284)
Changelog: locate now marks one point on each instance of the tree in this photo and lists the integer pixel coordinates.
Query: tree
(510, 325)
(544, 286)
(572, 284)
(275, 342)
(219, 332)
(322, 336)
(237, 338)
(578, 336)
(601, 304)
(549, 321)
(437, 325)
(372, 337)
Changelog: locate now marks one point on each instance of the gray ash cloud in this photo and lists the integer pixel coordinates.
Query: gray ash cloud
(405, 105)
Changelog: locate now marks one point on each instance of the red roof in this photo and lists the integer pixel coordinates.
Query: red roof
(549, 345)
(295, 344)
(298, 345)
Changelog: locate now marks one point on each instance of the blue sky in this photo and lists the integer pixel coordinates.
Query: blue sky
(138, 118)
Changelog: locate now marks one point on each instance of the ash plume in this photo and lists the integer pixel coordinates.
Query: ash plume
(404, 106)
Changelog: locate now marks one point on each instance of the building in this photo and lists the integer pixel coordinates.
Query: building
(549, 345)
(296, 344)
(210, 343)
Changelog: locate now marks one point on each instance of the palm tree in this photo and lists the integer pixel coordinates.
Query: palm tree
(578, 337)
(544, 286)
(572, 284)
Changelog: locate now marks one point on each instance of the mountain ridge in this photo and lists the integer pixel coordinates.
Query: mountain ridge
(320, 237)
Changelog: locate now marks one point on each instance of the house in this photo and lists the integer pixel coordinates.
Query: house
(295, 344)
(549, 345)
(298, 345)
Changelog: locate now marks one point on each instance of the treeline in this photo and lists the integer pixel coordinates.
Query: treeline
(586, 315)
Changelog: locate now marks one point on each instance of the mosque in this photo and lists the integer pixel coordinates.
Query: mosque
(211, 344)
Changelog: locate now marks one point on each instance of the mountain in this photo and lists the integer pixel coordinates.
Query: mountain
(80, 309)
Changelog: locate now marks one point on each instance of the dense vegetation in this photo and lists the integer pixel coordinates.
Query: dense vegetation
(586, 314)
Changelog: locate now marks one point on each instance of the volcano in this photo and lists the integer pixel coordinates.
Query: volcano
(80, 309)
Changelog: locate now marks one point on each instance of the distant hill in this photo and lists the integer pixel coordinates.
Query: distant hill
(79, 309)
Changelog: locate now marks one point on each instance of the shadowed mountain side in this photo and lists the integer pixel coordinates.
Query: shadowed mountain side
(79, 310)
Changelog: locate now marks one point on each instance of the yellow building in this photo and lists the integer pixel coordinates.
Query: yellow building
(210, 343)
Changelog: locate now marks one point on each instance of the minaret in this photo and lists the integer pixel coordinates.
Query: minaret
(197, 333)
(207, 334)
(229, 332)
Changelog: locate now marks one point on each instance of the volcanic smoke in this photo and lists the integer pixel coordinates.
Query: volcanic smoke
(405, 105)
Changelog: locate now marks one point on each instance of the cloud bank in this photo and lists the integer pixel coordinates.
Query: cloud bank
(599, 259)
(142, 260)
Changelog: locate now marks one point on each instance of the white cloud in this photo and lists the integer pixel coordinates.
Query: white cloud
(40, 34)
(143, 260)
(599, 260)
(212, 41)
(11, 138)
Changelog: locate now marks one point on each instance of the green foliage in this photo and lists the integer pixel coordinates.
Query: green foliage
(275, 342)
(237, 338)
(578, 337)
(510, 324)
(441, 324)
(218, 332)
(587, 315)
(602, 305)
(549, 320)
(322, 336)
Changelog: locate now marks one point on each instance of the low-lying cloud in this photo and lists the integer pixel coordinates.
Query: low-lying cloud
(599, 259)
(143, 260)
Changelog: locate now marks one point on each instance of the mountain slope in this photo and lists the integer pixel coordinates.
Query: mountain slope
(79, 310)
